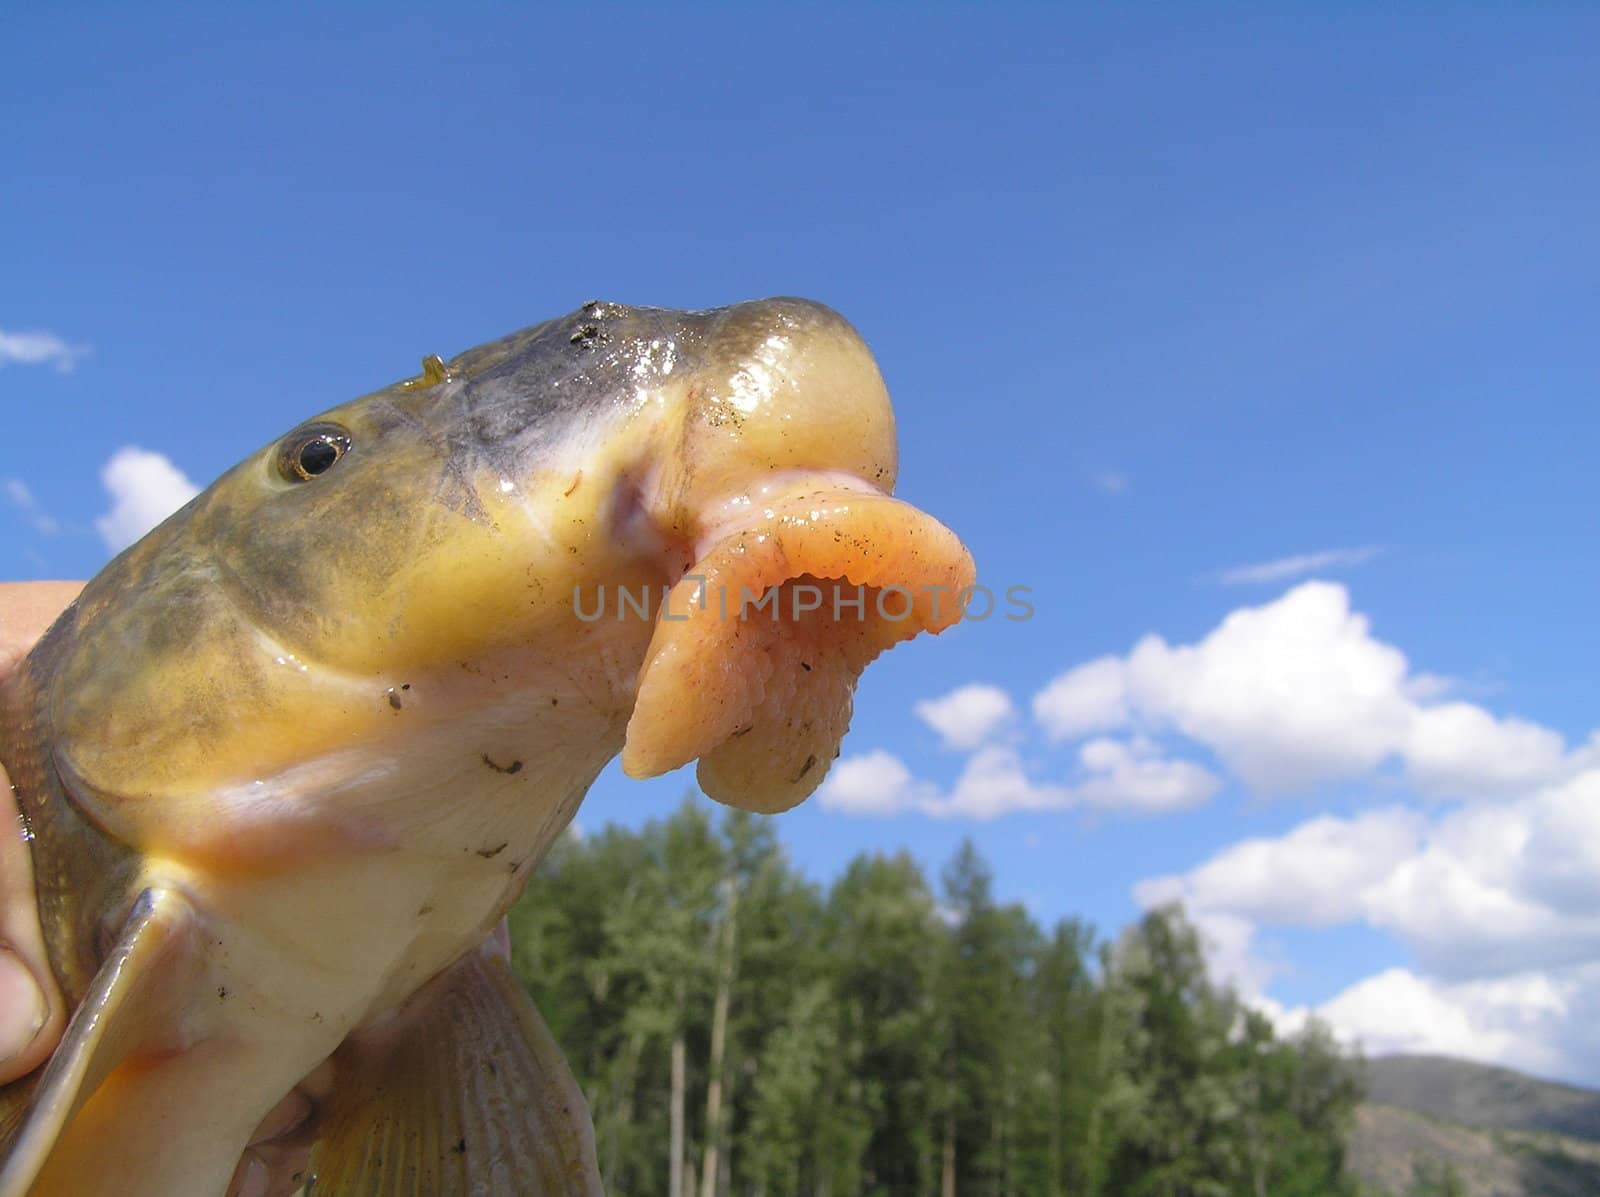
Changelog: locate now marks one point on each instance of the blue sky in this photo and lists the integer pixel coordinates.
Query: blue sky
(1159, 296)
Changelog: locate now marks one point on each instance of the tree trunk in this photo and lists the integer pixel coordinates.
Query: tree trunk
(948, 1188)
(622, 1110)
(1260, 1148)
(719, 1038)
(1058, 1115)
(997, 1144)
(675, 1167)
(1094, 1166)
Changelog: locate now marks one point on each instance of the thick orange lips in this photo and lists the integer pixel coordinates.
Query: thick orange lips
(756, 652)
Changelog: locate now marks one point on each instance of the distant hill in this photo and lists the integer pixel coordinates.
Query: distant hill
(1479, 1095)
(1508, 1135)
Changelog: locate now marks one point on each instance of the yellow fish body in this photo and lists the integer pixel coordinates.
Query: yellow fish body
(287, 761)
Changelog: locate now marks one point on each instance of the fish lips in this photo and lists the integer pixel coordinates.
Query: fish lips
(756, 651)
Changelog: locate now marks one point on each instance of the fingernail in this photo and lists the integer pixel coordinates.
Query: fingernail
(22, 1008)
(254, 1178)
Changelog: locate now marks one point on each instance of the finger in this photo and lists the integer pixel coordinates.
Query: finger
(32, 1013)
(271, 1170)
(31, 1010)
(275, 1163)
(500, 940)
(23, 1011)
(26, 610)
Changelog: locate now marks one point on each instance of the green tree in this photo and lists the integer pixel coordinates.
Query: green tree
(884, 943)
(1064, 1005)
(1180, 1139)
(983, 1029)
(1435, 1178)
(1297, 1101)
(739, 1036)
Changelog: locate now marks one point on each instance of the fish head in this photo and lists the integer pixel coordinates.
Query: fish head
(525, 559)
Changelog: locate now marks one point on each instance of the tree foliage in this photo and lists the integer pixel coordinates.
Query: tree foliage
(885, 1038)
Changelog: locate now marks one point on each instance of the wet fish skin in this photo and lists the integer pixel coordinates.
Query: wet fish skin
(332, 722)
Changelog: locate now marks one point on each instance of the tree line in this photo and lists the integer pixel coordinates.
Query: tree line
(742, 1032)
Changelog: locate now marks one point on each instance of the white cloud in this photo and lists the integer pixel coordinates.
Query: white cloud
(1287, 694)
(39, 349)
(1298, 692)
(996, 781)
(1132, 776)
(1476, 892)
(20, 496)
(145, 488)
(1284, 568)
(1560, 862)
(1460, 748)
(1111, 482)
(1313, 876)
(966, 717)
(1499, 903)
(1088, 698)
(1530, 1021)
(1316, 875)
(877, 783)
(1500, 889)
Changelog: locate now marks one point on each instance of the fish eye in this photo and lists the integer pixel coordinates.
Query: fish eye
(312, 451)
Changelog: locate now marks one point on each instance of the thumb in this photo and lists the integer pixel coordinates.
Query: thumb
(31, 1010)
(23, 1013)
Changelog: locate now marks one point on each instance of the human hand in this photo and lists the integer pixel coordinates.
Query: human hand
(32, 1013)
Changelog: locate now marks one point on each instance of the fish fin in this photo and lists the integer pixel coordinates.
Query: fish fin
(123, 1004)
(464, 1092)
(14, 1101)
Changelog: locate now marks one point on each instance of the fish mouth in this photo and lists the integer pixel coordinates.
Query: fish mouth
(753, 662)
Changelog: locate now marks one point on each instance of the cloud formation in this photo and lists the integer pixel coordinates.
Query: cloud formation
(1539, 1022)
(966, 717)
(145, 488)
(1129, 776)
(1315, 876)
(1287, 696)
(1484, 863)
(1298, 692)
(21, 496)
(40, 349)
(1498, 902)
(874, 783)
(1284, 568)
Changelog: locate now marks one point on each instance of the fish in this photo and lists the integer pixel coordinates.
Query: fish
(286, 762)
